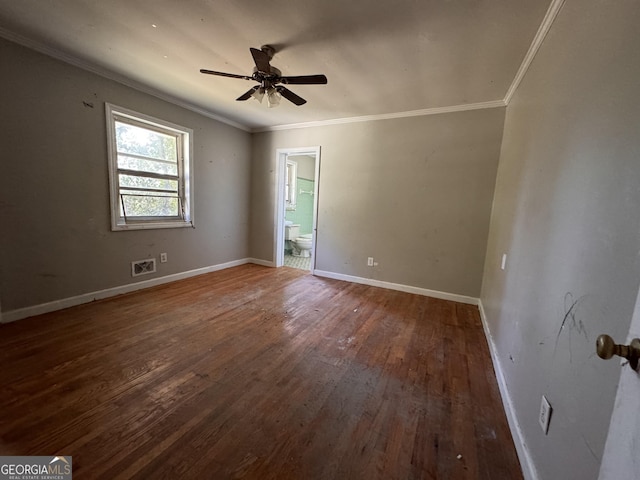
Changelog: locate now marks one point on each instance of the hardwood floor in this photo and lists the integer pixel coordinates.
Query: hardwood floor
(257, 373)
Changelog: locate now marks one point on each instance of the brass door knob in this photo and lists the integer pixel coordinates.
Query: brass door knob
(607, 348)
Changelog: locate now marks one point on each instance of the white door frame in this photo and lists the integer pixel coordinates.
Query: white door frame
(278, 234)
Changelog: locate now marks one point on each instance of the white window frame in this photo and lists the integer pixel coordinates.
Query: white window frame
(291, 183)
(185, 170)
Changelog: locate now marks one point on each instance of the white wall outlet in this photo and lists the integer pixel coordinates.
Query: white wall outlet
(545, 414)
(370, 262)
(163, 258)
(504, 261)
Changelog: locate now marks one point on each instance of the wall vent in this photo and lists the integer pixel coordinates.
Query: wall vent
(142, 267)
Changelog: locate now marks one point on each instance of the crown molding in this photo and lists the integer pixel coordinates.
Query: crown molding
(103, 72)
(386, 116)
(545, 26)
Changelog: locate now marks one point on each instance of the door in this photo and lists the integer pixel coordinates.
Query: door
(281, 161)
(621, 459)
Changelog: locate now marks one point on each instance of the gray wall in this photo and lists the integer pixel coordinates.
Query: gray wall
(54, 190)
(414, 193)
(567, 213)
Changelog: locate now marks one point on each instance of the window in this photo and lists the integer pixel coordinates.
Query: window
(150, 171)
(290, 185)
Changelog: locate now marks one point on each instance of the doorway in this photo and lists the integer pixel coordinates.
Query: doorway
(298, 173)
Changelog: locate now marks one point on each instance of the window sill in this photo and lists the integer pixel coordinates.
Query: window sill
(150, 226)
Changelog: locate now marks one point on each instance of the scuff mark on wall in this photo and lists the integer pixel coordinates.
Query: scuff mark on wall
(571, 322)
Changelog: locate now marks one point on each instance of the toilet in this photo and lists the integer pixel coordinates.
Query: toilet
(302, 246)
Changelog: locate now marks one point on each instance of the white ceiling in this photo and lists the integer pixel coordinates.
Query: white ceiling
(381, 57)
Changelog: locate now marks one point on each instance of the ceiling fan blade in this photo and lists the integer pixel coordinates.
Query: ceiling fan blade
(247, 95)
(289, 95)
(305, 80)
(261, 60)
(222, 74)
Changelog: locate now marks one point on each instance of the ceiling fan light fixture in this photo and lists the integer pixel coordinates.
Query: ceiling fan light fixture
(273, 97)
(258, 94)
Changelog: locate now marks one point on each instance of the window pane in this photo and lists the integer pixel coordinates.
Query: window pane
(143, 165)
(148, 206)
(140, 141)
(133, 181)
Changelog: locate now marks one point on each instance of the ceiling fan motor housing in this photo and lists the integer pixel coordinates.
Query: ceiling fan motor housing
(275, 73)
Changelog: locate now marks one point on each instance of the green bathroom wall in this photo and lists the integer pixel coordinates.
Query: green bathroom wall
(303, 214)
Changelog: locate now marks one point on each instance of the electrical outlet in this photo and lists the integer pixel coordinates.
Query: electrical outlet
(370, 262)
(163, 258)
(545, 414)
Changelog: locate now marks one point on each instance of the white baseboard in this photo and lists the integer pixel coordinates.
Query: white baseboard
(264, 263)
(529, 470)
(18, 314)
(397, 286)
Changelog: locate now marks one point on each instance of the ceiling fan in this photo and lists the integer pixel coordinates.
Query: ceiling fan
(270, 79)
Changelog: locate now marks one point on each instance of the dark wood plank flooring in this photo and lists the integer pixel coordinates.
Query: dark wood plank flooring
(257, 373)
